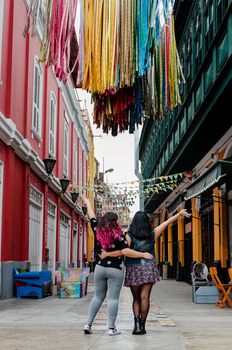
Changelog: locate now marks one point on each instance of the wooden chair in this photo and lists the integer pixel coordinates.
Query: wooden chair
(224, 289)
(230, 273)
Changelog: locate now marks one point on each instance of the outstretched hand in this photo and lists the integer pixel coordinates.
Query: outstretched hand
(147, 256)
(184, 214)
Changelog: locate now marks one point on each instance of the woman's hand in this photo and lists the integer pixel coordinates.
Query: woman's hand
(147, 256)
(183, 213)
(103, 254)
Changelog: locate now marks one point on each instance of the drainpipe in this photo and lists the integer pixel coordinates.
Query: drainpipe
(137, 171)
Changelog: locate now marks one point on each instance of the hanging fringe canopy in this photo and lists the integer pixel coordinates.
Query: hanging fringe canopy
(126, 56)
(131, 64)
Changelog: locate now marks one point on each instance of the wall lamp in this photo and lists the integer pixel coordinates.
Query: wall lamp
(49, 164)
(74, 195)
(64, 183)
(84, 210)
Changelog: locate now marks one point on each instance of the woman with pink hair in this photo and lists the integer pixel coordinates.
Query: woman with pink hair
(108, 274)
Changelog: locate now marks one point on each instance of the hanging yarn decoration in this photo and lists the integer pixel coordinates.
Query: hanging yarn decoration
(58, 33)
(124, 54)
(131, 64)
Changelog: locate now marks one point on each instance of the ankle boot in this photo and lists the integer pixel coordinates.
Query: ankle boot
(136, 329)
(142, 327)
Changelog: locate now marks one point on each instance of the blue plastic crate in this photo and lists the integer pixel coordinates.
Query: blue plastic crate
(206, 295)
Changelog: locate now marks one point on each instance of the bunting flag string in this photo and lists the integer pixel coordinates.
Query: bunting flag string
(145, 186)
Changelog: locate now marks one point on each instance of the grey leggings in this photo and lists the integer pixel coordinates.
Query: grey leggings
(106, 278)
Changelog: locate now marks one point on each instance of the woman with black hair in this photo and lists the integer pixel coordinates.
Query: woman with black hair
(108, 273)
(142, 274)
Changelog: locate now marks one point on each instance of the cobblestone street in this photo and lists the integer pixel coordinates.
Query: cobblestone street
(174, 323)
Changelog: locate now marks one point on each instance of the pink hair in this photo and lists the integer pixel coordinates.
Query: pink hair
(108, 230)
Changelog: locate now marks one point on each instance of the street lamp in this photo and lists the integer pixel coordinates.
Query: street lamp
(108, 171)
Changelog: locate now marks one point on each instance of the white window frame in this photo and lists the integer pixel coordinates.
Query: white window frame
(52, 133)
(54, 215)
(85, 174)
(1, 34)
(80, 170)
(75, 166)
(67, 243)
(66, 149)
(38, 201)
(37, 107)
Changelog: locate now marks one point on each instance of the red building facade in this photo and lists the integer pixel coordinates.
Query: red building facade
(39, 116)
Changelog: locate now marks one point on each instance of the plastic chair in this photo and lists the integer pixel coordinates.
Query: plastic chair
(200, 277)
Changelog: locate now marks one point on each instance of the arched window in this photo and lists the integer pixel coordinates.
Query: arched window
(37, 98)
(52, 125)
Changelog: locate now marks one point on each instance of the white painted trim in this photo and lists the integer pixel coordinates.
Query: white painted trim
(37, 133)
(41, 207)
(53, 98)
(55, 230)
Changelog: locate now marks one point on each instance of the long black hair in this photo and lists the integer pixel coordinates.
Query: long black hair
(140, 226)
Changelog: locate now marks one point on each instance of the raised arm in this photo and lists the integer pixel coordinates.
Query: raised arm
(90, 210)
(160, 228)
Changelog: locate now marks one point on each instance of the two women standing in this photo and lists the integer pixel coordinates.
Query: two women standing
(141, 270)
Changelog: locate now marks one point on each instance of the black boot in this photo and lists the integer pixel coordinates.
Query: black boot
(142, 327)
(136, 329)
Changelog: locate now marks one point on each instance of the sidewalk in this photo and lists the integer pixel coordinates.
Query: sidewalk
(174, 323)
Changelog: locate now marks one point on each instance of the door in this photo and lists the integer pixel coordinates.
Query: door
(1, 195)
(51, 239)
(64, 241)
(35, 229)
(75, 244)
(81, 246)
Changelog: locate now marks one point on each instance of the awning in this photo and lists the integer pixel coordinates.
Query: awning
(211, 177)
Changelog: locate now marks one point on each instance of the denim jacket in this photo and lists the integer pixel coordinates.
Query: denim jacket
(141, 245)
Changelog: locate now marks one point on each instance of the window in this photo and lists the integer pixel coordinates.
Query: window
(182, 126)
(198, 43)
(222, 6)
(37, 98)
(176, 136)
(52, 128)
(75, 165)
(209, 14)
(66, 148)
(80, 170)
(84, 180)
(1, 32)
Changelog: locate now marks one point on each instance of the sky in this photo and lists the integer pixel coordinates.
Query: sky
(112, 152)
